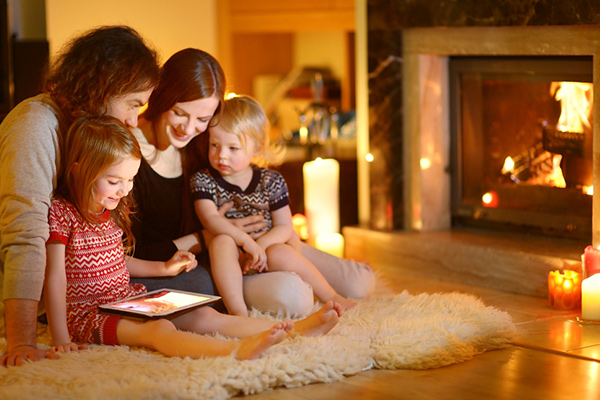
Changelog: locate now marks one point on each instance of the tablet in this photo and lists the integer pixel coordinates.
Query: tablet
(157, 304)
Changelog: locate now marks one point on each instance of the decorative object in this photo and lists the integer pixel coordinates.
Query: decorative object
(332, 243)
(590, 261)
(300, 227)
(590, 298)
(321, 196)
(564, 290)
(398, 331)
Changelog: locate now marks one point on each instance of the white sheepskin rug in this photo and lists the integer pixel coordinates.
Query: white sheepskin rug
(398, 331)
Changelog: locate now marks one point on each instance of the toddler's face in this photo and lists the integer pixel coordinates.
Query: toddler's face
(227, 154)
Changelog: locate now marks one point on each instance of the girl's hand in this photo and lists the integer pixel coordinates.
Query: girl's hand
(256, 257)
(181, 261)
(67, 348)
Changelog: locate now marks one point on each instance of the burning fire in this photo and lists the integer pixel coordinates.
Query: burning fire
(538, 166)
(575, 105)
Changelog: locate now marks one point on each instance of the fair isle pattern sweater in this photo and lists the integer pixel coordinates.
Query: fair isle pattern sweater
(95, 269)
(266, 192)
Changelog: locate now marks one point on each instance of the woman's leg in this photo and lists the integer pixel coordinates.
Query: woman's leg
(162, 335)
(206, 320)
(281, 257)
(349, 278)
(227, 273)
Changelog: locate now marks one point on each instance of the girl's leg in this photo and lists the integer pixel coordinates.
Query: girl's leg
(207, 320)
(281, 257)
(227, 273)
(161, 335)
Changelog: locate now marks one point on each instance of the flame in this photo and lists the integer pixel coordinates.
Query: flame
(575, 103)
(425, 163)
(508, 166)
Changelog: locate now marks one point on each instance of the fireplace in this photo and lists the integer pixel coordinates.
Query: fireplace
(521, 144)
(432, 202)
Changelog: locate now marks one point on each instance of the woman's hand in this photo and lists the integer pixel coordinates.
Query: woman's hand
(249, 224)
(181, 261)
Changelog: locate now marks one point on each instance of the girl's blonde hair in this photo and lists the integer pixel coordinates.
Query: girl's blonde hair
(93, 145)
(244, 117)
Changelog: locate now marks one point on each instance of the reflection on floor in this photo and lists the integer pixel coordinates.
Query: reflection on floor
(554, 357)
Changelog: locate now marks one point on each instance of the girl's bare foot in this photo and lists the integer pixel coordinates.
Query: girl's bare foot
(321, 322)
(345, 303)
(253, 346)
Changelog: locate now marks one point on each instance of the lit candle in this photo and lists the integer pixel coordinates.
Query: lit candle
(591, 261)
(332, 243)
(299, 224)
(564, 290)
(321, 196)
(590, 298)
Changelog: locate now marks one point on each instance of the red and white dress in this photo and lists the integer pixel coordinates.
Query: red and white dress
(95, 270)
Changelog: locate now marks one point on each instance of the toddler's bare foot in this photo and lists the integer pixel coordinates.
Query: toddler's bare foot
(253, 346)
(321, 322)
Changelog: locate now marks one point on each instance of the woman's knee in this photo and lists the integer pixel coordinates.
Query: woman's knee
(280, 292)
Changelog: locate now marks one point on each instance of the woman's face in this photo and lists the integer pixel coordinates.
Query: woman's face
(185, 121)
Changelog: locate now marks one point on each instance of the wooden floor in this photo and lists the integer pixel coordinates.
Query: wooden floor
(554, 357)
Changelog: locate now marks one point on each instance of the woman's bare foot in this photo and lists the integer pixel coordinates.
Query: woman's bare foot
(253, 346)
(321, 322)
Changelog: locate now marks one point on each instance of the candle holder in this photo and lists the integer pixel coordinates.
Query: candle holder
(564, 290)
(590, 261)
(584, 321)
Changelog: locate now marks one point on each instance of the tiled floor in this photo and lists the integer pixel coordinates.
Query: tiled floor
(554, 357)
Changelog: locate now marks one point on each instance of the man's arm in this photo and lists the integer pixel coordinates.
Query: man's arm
(21, 328)
(28, 170)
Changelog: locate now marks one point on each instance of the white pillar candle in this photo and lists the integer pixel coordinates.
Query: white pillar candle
(590, 298)
(332, 243)
(321, 196)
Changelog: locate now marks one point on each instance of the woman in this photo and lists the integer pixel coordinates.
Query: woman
(190, 92)
(108, 70)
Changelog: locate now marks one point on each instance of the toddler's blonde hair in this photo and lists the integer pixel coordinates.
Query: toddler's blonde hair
(244, 117)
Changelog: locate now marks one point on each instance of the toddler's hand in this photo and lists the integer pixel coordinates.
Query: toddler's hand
(181, 260)
(256, 259)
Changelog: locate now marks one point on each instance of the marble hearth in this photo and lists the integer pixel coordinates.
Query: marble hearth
(426, 242)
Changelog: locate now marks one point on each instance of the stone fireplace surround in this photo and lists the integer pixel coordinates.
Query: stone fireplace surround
(427, 244)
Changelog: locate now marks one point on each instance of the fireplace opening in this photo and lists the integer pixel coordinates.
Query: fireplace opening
(521, 144)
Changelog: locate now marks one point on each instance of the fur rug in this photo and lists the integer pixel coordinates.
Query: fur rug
(398, 331)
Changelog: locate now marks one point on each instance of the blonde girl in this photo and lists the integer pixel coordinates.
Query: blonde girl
(238, 146)
(87, 266)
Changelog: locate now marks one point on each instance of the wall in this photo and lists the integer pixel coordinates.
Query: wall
(322, 48)
(169, 26)
(27, 19)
